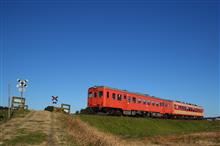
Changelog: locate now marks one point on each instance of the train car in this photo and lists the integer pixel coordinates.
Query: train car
(115, 101)
(187, 110)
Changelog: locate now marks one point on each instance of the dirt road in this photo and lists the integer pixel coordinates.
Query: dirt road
(35, 121)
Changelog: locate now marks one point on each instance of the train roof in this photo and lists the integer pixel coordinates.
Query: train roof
(137, 93)
(188, 103)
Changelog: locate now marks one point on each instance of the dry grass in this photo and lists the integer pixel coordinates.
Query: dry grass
(86, 135)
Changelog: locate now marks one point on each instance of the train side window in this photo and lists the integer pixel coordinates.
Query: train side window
(157, 103)
(125, 97)
(129, 99)
(152, 103)
(139, 100)
(119, 97)
(148, 102)
(107, 94)
(134, 99)
(100, 93)
(113, 96)
(144, 101)
(95, 94)
(161, 104)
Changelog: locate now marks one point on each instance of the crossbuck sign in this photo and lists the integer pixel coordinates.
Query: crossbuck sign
(54, 99)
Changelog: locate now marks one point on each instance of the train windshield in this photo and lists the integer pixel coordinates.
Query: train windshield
(90, 94)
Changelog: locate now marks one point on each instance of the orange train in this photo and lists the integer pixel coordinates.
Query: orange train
(117, 102)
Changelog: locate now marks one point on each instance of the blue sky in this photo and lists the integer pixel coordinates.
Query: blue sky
(166, 49)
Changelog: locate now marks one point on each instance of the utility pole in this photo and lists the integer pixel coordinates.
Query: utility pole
(9, 113)
(22, 90)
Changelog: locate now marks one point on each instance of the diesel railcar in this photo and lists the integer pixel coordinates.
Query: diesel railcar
(122, 102)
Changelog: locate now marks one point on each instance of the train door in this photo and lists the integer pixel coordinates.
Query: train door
(99, 98)
(148, 103)
(95, 98)
(125, 102)
(163, 107)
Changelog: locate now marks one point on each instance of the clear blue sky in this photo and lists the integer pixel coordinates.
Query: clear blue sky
(166, 49)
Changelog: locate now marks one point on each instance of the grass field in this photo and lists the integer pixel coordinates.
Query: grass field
(130, 127)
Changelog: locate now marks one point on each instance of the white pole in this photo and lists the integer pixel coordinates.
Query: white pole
(9, 114)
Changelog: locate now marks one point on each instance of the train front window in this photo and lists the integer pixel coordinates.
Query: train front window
(95, 94)
(90, 94)
(100, 93)
(107, 94)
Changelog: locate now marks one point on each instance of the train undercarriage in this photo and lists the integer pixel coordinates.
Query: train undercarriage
(134, 113)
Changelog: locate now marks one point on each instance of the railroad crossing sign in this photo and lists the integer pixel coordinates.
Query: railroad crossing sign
(54, 99)
(22, 84)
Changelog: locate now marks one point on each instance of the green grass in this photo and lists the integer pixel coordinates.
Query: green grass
(25, 138)
(132, 127)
